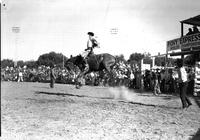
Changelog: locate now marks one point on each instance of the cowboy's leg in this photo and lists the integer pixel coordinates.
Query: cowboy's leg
(85, 54)
(86, 69)
(155, 88)
(51, 83)
(159, 92)
(182, 94)
(81, 74)
(158, 87)
(186, 97)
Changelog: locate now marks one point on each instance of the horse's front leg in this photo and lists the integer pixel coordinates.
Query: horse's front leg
(79, 79)
(76, 81)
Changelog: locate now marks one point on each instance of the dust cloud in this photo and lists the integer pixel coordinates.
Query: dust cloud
(122, 93)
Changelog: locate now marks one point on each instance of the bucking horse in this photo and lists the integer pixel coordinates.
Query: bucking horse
(96, 63)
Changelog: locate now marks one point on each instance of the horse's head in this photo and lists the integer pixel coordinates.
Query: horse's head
(78, 61)
(70, 63)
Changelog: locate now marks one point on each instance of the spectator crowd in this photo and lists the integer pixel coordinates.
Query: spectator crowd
(155, 80)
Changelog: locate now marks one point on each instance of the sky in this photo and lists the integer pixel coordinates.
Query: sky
(62, 25)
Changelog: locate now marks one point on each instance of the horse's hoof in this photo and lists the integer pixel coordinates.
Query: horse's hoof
(77, 87)
(80, 85)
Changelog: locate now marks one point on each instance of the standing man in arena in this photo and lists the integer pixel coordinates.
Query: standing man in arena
(52, 77)
(183, 84)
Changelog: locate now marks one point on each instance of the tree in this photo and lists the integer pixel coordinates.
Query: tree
(147, 60)
(51, 58)
(7, 62)
(120, 58)
(20, 63)
(160, 61)
(137, 57)
(31, 64)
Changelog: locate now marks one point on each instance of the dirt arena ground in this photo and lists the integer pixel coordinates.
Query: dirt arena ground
(33, 111)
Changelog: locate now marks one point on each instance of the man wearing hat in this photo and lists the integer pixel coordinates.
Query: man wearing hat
(195, 30)
(52, 76)
(91, 44)
(183, 84)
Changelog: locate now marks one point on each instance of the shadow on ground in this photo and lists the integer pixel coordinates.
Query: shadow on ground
(58, 94)
(82, 96)
(163, 96)
(197, 100)
(151, 105)
(68, 94)
(41, 87)
(196, 136)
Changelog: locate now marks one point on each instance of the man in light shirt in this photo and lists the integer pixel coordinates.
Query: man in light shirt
(183, 84)
(91, 44)
(20, 78)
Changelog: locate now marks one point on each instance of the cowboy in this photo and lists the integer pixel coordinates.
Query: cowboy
(91, 44)
(52, 76)
(183, 84)
(156, 83)
(20, 76)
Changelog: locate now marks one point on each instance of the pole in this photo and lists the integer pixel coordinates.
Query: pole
(63, 61)
(166, 57)
(140, 77)
(182, 29)
(153, 62)
(16, 31)
(63, 47)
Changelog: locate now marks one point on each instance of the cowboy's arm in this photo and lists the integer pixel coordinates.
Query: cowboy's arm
(96, 43)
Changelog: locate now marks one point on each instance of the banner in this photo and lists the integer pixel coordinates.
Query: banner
(145, 67)
(185, 42)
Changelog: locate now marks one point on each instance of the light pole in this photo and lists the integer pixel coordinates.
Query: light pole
(63, 61)
(16, 31)
(62, 49)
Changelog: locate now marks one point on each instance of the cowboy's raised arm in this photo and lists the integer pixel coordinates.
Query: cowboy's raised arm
(97, 43)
